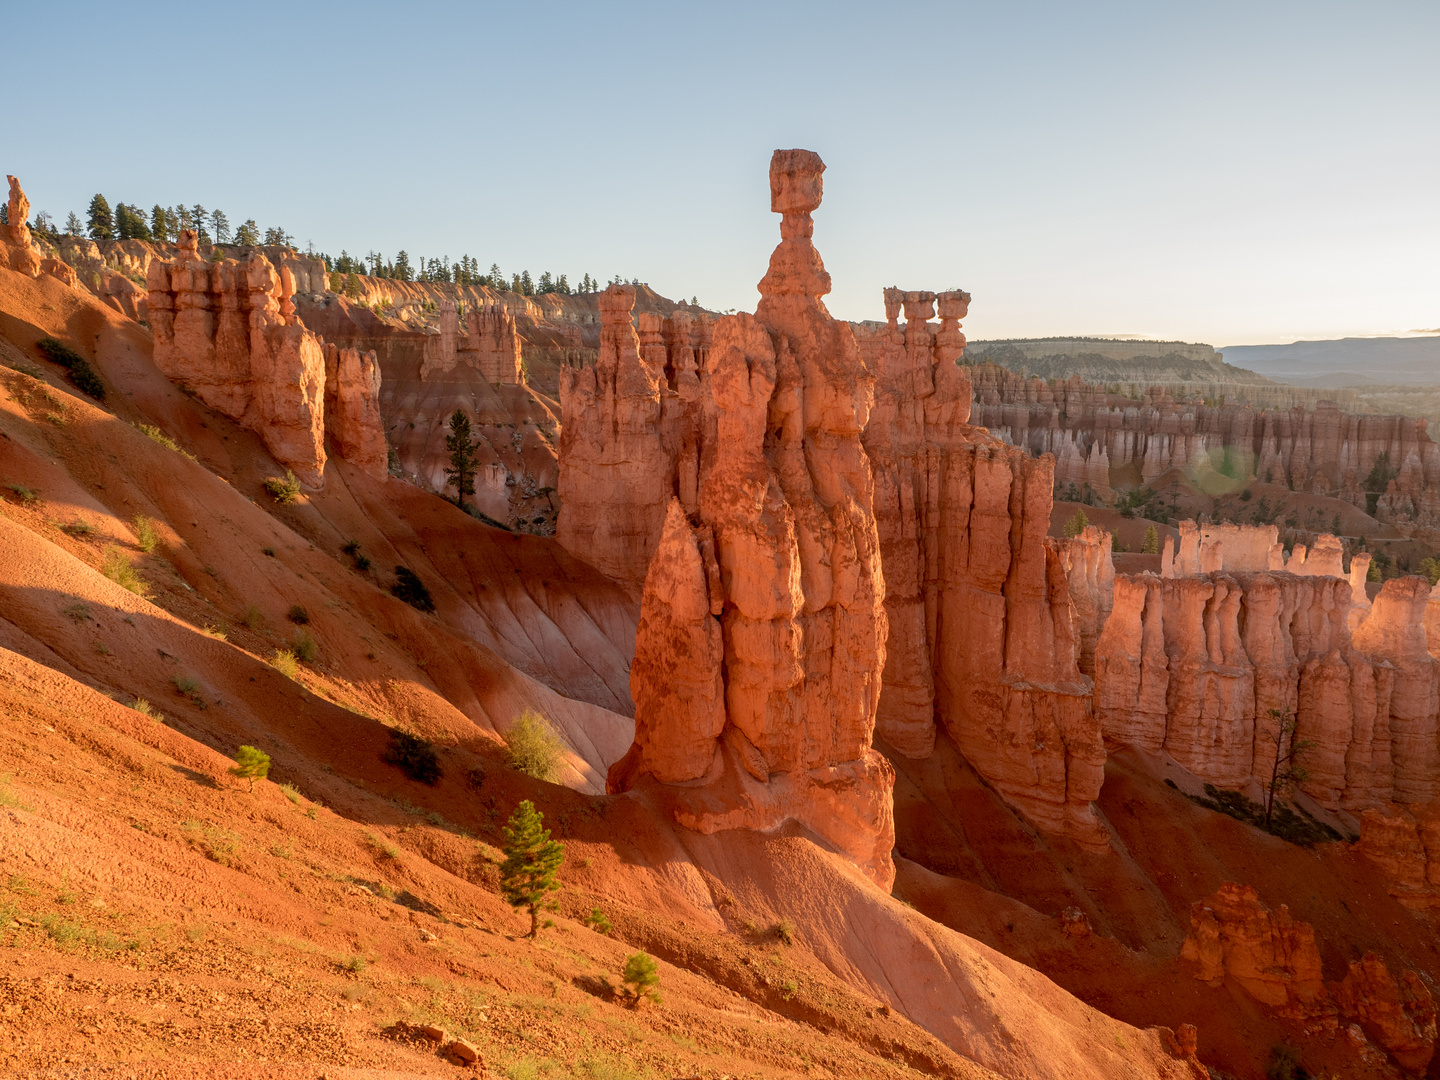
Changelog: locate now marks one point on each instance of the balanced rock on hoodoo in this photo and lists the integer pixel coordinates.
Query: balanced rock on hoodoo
(24, 258)
(984, 632)
(766, 586)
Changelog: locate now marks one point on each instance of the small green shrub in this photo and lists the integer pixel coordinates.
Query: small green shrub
(291, 792)
(784, 932)
(350, 547)
(253, 618)
(305, 648)
(78, 611)
(413, 756)
(284, 661)
(298, 615)
(186, 685)
(383, 847)
(362, 563)
(81, 373)
(79, 528)
(1284, 1064)
(145, 537)
(283, 491)
(411, 589)
(24, 494)
(355, 965)
(788, 989)
(251, 764)
(268, 551)
(144, 708)
(118, 569)
(641, 977)
(211, 630)
(598, 921)
(535, 748)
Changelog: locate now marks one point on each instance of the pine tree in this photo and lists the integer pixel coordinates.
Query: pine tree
(527, 287)
(159, 224)
(461, 448)
(401, 270)
(251, 764)
(1077, 524)
(73, 225)
(102, 222)
(221, 224)
(1286, 772)
(248, 234)
(531, 861)
(352, 285)
(641, 977)
(130, 223)
(546, 284)
(1151, 544)
(172, 223)
(199, 215)
(497, 279)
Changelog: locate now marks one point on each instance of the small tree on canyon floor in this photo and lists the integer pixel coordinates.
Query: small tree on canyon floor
(1077, 524)
(641, 977)
(1151, 544)
(532, 860)
(1287, 772)
(461, 447)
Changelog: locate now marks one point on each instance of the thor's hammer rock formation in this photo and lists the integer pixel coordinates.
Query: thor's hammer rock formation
(762, 633)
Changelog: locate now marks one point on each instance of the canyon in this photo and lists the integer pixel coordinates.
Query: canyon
(786, 588)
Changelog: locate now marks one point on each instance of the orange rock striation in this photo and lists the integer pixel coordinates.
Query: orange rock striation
(762, 632)
(1275, 960)
(983, 630)
(228, 331)
(1404, 845)
(1322, 450)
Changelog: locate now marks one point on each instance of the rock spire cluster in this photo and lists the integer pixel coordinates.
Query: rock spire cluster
(488, 341)
(228, 331)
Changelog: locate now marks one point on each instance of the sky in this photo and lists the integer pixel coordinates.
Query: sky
(1230, 173)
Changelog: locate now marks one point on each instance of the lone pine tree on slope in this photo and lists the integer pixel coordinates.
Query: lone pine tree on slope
(531, 862)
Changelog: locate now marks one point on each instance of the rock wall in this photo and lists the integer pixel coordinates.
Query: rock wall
(1404, 846)
(228, 331)
(762, 636)
(1276, 961)
(1106, 438)
(489, 343)
(352, 409)
(983, 627)
(1195, 664)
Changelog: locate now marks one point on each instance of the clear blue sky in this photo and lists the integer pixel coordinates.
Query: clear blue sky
(1230, 173)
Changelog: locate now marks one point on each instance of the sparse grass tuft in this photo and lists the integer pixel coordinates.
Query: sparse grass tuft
(78, 611)
(9, 798)
(144, 708)
(253, 618)
(784, 932)
(118, 569)
(535, 748)
(145, 537)
(154, 434)
(291, 792)
(283, 491)
(210, 630)
(79, 528)
(383, 847)
(284, 662)
(186, 685)
(24, 494)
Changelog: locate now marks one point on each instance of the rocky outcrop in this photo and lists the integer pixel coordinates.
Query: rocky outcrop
(1385, 465)
(228, 331)
(982, 605)
(352, 409)
(1205, 549)
(1404, 846)
(770, 587)
(24, 257)
(1273, 957)
(1276, 961)
(1397, 1014)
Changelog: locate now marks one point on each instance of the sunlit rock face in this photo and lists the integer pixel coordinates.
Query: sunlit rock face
(766, 586)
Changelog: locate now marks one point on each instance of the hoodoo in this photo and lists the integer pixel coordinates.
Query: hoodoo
(767, 588)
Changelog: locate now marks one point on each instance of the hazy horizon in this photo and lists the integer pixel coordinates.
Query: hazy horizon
(1217, 173)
